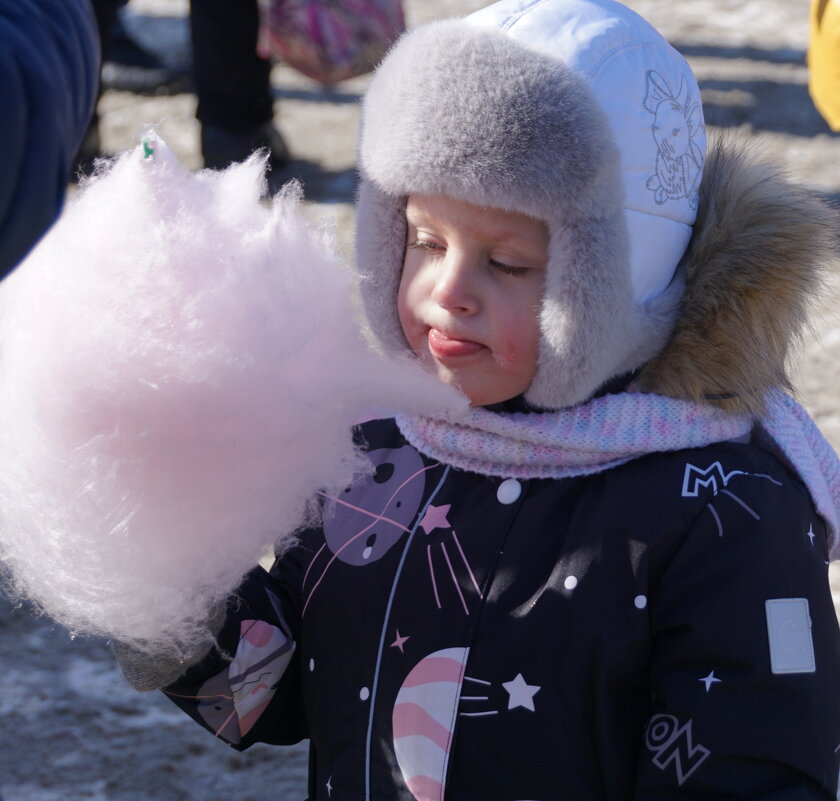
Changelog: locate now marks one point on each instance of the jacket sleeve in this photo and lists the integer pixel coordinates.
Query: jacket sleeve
(745, 670)
(247, 689)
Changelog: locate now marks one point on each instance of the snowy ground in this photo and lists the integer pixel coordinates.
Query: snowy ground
(71, 728)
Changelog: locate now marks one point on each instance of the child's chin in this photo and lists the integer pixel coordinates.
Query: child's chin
(486, 396)
(479, 391)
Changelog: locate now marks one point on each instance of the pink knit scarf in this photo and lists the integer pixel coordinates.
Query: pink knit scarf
(614, 429)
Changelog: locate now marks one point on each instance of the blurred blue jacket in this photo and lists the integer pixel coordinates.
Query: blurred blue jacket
(49, 73)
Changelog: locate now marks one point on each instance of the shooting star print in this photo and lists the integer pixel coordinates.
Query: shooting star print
(424, 715)
(460, 558)
(435, 517)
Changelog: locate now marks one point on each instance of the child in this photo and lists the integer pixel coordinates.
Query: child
(608, 580)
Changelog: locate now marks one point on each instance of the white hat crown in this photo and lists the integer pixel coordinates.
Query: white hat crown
(651, 100)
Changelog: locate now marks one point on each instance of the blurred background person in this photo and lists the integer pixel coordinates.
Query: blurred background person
(126, 65)
(232, 83)
(824, 60)
(49, 64)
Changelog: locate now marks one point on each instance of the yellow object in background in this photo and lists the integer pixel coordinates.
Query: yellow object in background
(824, 60)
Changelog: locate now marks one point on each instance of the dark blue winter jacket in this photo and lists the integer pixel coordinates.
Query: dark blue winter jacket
(661, 630)
(49, 71)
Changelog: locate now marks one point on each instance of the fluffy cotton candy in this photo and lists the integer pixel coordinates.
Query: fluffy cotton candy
(180, 369)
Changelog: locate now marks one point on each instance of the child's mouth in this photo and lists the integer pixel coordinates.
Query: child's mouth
(444, 347)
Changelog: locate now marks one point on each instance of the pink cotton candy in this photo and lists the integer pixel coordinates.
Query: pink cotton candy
(180, 369)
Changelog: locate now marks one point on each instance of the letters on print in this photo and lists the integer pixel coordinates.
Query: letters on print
(672, 744)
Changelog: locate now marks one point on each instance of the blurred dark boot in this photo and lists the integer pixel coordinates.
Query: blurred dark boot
(129, 67)
(221, 147)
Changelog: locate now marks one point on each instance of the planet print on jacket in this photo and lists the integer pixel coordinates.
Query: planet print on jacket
(423, 721)
(365, 521)
(231, 702)
(426, 709)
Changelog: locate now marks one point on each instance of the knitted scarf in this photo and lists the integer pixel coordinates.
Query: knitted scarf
(615, 429)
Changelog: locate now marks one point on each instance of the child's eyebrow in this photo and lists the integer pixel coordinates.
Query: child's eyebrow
(497, 234)
(418, 217)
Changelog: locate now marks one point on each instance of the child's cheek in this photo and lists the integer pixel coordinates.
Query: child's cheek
(406, 306)
(508, 355)
(518, 352)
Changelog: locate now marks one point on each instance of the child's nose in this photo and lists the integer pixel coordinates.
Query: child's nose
(455, 285)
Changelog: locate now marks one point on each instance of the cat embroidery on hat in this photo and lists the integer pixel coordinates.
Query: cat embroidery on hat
(679, 159)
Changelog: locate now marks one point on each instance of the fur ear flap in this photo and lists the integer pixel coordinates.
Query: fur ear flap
(753, 266)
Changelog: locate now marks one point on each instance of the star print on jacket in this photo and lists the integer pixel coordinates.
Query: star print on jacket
(435, 517)
(521, 693)
(710, 680)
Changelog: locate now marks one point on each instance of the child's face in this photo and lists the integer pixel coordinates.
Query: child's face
(470, 294)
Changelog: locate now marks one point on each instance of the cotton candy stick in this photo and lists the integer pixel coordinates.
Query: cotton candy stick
(181, 366)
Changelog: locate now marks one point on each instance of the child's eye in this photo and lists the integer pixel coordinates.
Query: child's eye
(507, 269)
(425, 244)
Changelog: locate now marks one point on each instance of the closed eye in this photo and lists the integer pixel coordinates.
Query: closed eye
(426, 245)
(507, 269)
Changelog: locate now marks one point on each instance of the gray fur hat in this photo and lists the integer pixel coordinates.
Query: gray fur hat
(575, 112)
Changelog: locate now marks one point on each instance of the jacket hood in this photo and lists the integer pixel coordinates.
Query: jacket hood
(756, 262)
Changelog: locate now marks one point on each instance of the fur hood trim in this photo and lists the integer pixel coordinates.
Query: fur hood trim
(753, 266)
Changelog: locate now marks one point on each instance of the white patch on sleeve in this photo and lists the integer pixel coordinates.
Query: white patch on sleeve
(789, 633)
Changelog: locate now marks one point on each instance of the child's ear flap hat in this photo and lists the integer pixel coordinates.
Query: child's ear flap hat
(575, 112)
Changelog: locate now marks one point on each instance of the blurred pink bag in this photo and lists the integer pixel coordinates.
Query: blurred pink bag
(329, 40)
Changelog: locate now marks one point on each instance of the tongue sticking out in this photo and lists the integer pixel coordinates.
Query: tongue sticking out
(445, 347)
